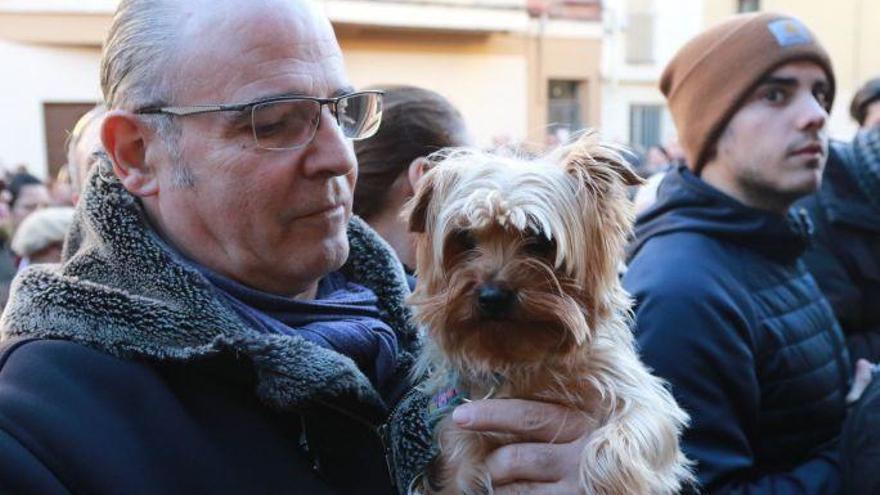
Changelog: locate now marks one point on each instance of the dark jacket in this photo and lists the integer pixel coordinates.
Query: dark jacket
(845, 255)
(728, 314)
(122, 372)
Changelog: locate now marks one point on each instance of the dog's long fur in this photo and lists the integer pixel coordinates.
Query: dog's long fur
(551, 230)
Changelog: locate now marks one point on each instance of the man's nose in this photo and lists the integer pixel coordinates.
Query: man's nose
(813, 115)
(330, 153)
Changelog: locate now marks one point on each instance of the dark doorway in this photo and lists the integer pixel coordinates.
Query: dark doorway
(60, 119)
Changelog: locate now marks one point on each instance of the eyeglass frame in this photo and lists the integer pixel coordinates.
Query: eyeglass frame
(187, 110)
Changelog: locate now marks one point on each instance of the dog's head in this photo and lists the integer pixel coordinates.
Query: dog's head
(518, 259)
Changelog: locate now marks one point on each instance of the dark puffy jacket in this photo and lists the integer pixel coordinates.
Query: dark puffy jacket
(728, 314)
(845, 255)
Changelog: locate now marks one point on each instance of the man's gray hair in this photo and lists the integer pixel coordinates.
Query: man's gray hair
(136, 64)
(138, 53)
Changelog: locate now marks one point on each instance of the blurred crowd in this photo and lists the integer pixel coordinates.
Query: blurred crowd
(215, 294)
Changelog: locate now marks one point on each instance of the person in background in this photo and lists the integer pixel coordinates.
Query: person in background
(844, 256)
(416, 123)
(40, 236)
(29, 194)
(656, 160)
(725, 310)
(61, 189)
(7, 257)
(83, 147)
(865, 105)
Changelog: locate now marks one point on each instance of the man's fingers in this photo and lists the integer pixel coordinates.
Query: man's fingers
(527, 461)
(860, 381)
(530, 420)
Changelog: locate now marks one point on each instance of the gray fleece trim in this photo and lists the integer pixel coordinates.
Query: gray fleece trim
(122, 291)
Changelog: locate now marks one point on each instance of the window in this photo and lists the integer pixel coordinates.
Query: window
(564, 106)
(644, 125)
(640, 32)
(748, 5)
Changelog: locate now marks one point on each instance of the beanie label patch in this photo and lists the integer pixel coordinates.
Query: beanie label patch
(790, 32)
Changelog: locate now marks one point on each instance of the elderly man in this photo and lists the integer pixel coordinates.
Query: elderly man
(223, 325)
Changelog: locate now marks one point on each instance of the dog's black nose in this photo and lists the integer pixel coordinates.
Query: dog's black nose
(495, 301)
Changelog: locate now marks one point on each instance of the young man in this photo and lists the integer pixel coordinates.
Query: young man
(725, 310)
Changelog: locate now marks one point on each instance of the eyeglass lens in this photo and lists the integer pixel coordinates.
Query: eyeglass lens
(293, 123)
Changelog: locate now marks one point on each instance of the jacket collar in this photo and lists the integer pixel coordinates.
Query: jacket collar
(685, 203)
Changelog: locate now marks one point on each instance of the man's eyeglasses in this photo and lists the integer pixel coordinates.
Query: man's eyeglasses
(291, 122)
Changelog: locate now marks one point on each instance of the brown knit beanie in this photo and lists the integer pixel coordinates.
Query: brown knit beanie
(711, 75)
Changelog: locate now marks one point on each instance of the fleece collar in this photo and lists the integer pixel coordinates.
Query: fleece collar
(122, 291)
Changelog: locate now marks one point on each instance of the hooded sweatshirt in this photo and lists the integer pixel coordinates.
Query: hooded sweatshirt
(727, 313)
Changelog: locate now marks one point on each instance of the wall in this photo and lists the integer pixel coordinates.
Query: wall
(33, 75)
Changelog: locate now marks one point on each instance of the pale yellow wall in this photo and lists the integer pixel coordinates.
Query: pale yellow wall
(571, 59)
(846, 28)
(498, 81)
(32, 76)
(489, 90)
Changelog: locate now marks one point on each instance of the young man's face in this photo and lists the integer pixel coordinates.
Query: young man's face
(773, 150)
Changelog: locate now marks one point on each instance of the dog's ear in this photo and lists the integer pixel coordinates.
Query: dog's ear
(416, 209)
(588, 156)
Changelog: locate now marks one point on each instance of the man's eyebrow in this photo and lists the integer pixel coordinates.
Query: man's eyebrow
(778, 81)
(345, 90)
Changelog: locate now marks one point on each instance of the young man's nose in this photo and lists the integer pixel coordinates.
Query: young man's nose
(812, 113)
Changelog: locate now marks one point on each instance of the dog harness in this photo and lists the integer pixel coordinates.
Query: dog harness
(444, 401)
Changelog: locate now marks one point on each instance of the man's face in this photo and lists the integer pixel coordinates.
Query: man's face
(872, 115)
(31, 198)
(273, 220)
(774, 148)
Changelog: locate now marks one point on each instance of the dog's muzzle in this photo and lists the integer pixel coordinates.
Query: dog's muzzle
(494, 301)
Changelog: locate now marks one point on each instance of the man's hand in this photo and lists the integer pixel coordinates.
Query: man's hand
(860, 381)
(547, 461)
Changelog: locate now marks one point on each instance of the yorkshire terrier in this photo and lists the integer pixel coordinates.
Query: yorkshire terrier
(518, 290)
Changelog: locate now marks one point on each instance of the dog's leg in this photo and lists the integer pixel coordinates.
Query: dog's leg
(636, 451)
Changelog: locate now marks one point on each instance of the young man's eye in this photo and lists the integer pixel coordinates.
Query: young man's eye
(822, 97)
(775, 95)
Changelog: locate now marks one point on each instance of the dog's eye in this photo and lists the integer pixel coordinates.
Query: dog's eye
(464, 240)
(538, 245)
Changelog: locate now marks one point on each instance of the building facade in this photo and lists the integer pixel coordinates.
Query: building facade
(519, 70)
(641, 36)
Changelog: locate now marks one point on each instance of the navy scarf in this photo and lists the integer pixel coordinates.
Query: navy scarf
(343, 317)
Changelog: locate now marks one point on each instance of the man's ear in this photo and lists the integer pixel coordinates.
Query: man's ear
(124, 137)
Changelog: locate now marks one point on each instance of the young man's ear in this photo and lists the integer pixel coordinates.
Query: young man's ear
(124, 137)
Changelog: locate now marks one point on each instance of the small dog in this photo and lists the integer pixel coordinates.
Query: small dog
(518, 291)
